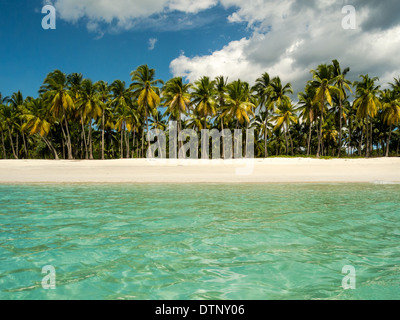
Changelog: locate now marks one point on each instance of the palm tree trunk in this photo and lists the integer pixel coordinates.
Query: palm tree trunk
(266, 134)
(179, 131)
(121, 146)
(51, 148)
(64, 138)
(24, 141)
(223, 138)
(388, 141)
(147, 118)
(142, 153)
(17, 145)
(84, 138)
(309, 140)
(102, 136)
(69, 145)
(340, 128)
(133, 142)
(372, 142)
(349, 147)
(127, 143)
(291, 142)
(367, 139)
(138, 147)
(12, 144)
(287, 142)
(90, 141)
(4, 146)
(320, 128)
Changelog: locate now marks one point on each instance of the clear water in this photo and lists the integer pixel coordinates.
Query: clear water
(200, 241)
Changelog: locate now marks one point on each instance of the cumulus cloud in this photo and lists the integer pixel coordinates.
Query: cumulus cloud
(124, 14)
(288, 37)
(291, 37)
(152, 43)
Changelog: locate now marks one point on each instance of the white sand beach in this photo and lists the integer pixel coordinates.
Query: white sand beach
(274, 170)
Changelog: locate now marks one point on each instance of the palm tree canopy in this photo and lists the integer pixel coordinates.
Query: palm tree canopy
(323, 81)
(391, 107)
(144, 87)
(367, 102)
(285, 115)
(238, 102)
(278, 93)
(203, 97)
(37, 121)
(55, 91)
(176, 96)
(89, 100)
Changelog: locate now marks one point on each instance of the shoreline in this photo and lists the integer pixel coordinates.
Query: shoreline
(173, 171)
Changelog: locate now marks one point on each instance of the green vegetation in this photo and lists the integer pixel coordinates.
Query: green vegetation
(75, 118)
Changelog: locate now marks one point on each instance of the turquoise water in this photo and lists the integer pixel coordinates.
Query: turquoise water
(200, 241)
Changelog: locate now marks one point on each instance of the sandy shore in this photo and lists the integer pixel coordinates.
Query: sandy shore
(384, 170)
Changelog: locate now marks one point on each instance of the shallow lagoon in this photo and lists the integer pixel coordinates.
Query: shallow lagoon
(275, 241)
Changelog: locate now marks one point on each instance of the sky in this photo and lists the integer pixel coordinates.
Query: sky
(107, 39)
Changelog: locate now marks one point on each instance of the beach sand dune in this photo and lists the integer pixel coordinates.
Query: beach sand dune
(274, 170)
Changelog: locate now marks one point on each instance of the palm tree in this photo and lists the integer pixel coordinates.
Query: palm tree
(262, 87)
(284, 118)
(278, 93)
(238, 104)
(157, 121)
(309, 110)
(277, 142)
(261, 124)
(121, 102)
(132, 123)
(55, 92)
(176, 98)
(329, 134)
(194, 122)
(18, 105)
(145, 88)
(391, 113)
(342, 84)
(75, 89)
(3, 100)
(367, 104)
(104, 96)
(323, 81)
(203, 98)
(38, 122)
(220, 95)
(396, 87)
(90, 106)
(10, 121)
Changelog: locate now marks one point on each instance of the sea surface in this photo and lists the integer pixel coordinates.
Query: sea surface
(275, 241)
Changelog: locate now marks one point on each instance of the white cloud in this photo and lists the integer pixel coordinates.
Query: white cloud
(191, 6)
(124, 12)
(152, 43)
(291, 37)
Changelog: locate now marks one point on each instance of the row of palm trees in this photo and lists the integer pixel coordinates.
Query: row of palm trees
(75, 118)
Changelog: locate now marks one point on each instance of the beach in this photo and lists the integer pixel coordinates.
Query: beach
(272, 170)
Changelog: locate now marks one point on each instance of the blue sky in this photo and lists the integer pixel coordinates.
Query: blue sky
(236, 38)
(29, 52)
